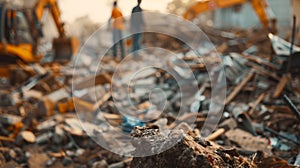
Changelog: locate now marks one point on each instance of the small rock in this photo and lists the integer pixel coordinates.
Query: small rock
(73, 126)
(44, 138)
(51, 161)
(28, 136)
(117, 165)
(59, 118)
(37, 160)
(67, 161)
(70, 153)
(12, 154)
(46, 125)
(59, 136)
(100, 164)
(79, 152)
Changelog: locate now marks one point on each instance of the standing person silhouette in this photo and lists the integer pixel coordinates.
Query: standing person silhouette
(136, 25)
(118, 27)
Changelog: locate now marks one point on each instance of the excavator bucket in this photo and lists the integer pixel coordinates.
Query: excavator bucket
(64, 48)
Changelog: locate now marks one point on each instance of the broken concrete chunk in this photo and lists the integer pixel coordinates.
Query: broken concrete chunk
(297, 161)
(100, 164)
(37, 160)
(59, 134)
(46, 125)
(28, 136)
(32, 94)
(249, 142)
(58, 95)
(46, 137)
(73, 126)
(92, 80)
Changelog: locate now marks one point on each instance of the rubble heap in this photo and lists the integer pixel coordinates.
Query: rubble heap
(259, 126)
(194, 151)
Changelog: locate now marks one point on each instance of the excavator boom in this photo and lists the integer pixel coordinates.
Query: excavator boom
(260, 7)
(64, 47)
(55, 12)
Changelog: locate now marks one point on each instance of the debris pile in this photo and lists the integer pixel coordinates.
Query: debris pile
(194, 151)
(259, 126)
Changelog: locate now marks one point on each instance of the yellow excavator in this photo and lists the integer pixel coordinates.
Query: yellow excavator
(21, 32)
(261, 8)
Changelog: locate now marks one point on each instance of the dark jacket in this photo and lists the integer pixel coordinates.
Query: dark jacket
(137, 19)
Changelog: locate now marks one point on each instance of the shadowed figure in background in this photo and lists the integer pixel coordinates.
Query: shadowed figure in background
(118, 27)
(136, 25)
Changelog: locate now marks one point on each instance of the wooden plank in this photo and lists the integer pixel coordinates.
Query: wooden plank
(45, 108)
(257, 102)
(239, 87)
(281, 109)
(2, 138)
(82, 105)
(112, 116)
(33, 94)
(200, 66)
(222, 48)
(260, 61)
(88, 106)
(4, 149)
(102, 100)
(281, 85)
(263, 71)
(216, 134)
(26, 68)
(93, 80)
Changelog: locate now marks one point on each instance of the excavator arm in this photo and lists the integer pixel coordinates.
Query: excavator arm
(64, 47)
(265, 14)
(52, 5)
(209, 5)
(261, 8)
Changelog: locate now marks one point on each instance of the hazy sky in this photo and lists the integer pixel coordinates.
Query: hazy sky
(100, 10)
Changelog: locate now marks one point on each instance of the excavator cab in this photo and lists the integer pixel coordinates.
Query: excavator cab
(17, 30)
(17, 41)
(21, 32)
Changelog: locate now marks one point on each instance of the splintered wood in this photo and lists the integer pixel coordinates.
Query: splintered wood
(239, 87)
(281, 86)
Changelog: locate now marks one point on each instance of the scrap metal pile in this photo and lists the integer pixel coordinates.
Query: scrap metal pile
(39, 126)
